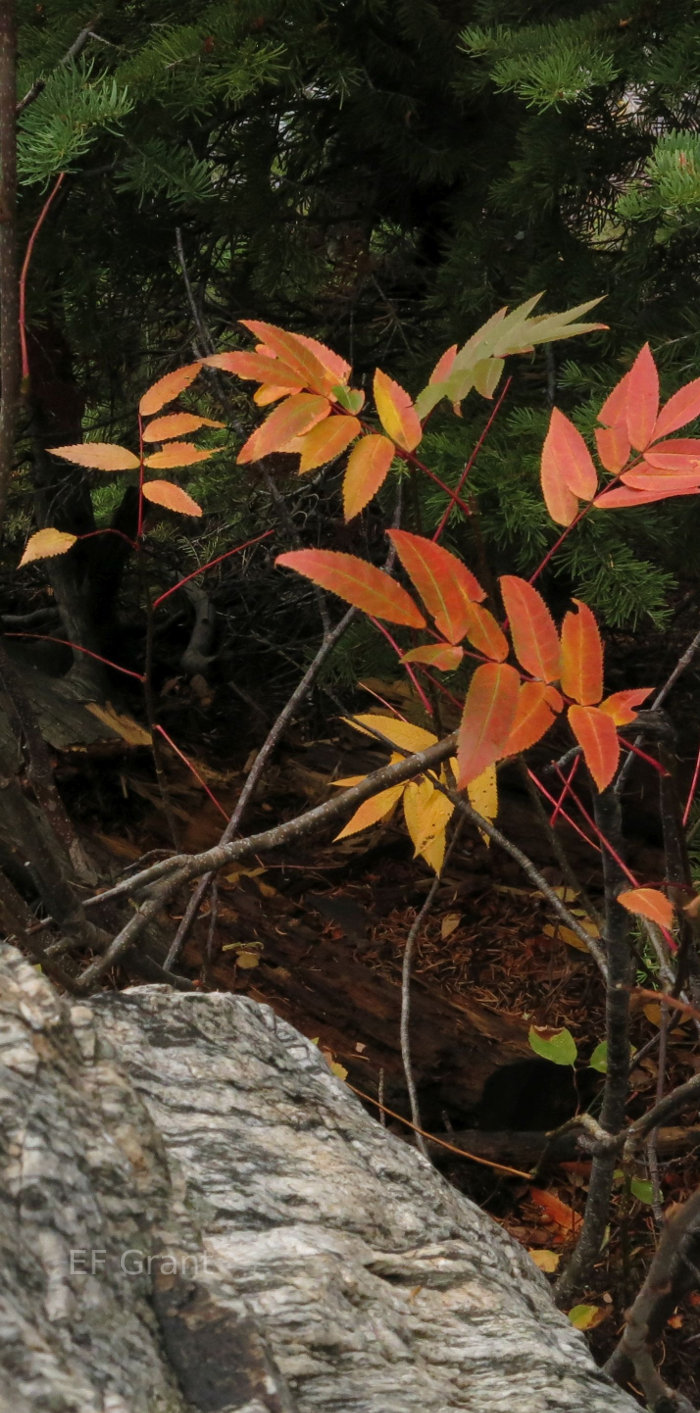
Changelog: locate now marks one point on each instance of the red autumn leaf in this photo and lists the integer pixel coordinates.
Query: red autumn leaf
(633, 404)
(173, 497)
(367, 469)
(484, 633)
(176, 424)
(98, 456)
(680, 409)
(296, 355)
(581, 657)
(168, 388)
(396, 412)
(621, 496)
(326, 441)
(613, 446)
(448, 589)
(653, 479)
(535, 712)
(296, 416)
(596, 734)
(641, 399)
(648, 902)
(620, 706)
(359, 583)
(255, 367)
(531, 626)
(567, 471)
(444, 656)
(686, 447)
(179, 454)
(443, 367)
(487, 719)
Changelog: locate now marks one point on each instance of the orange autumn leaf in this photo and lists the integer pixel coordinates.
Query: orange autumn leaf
(613, 446)
(396, 412)
(172, 497)
(444, 656)
(303, 356)
(537, 705)
(371, 811)
(487, 719)
(176, 424)
(648, 902)
(558, 1212)
(327, 440)
(268, 393)
(367, 469)
(596, 734)
(484, 633)
(531, 626)
(297, 415)
(359, 583)
(621, 705)
(168, 388)
(98, 456)
(567, 470)
(680, 409)
(448, 589)
(255, 367)
(179, 454)
(581, 657)
(641, 399)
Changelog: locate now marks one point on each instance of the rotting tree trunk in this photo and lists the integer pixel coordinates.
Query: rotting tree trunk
(195, 1215)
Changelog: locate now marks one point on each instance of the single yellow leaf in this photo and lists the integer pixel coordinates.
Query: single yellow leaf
(586, 1317)
(396, 412)
(400, 733)
(247, 960)
(172, 497)
(98, 456)
(483, 797)
(45, 544)
(449, 924)
(338, 1070)
(546, 1260)
(427, 813)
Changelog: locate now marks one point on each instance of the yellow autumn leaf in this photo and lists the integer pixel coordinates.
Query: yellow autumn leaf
(449, 924)
(401, 733)
(45, 544)
(427, 813)
(483, 797)
(546, 1260)
(120, 722)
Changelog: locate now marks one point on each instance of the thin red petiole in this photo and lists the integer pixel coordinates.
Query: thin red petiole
(453, 494)
(25, 268)
(64, 642)
(566, 817)
(424, 700)
(565, 791)
(210, 565)
(193, 769)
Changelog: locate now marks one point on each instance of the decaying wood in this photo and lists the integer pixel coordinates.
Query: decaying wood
(195, 1215)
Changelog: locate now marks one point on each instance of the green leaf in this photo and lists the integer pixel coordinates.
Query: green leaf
(643, 1190)
(557, 1045)
(584, 1317)
(599, 1058)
